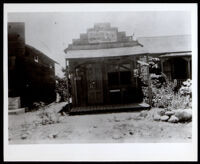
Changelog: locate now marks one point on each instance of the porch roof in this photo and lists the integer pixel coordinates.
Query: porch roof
(166, 44)
(110, 52)
(177, 54)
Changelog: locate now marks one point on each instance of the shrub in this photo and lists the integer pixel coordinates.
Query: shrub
(46, 117)
(186, 88)
(37, 105)
(165, 94)
(180, 101)
(165, 97)
(61, 88)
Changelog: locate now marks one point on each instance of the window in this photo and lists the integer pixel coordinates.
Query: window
(125, 77)
(36, 59)
(119, 74)
(113, 78)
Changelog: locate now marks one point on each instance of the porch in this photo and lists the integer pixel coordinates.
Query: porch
(109, 108)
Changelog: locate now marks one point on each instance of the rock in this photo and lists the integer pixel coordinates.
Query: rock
(53, 135)
(156, 117)
(129, 118)
(94, 126)
(164, 118)
(173, 119)
(28, 132)
(116, 120)
(184, 115)
(161, 112)
(116, 136)
(24, 136)
(138, 118)
(169, 113)
(131, 133)
(143, 113)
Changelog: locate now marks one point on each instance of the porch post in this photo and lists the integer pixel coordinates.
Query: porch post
(162, 65)
(67, 75)
(188, 66)
(189, 71)
(149, 83)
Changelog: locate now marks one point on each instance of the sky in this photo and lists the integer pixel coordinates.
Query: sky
(52, 32)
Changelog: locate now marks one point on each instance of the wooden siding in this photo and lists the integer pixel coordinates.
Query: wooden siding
(90, 81)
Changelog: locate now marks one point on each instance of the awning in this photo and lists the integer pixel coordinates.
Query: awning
(177, 54)
(110, 52)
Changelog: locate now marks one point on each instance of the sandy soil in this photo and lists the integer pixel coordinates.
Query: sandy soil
(126, 127)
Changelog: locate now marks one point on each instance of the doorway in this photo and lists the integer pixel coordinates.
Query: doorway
(94, 84)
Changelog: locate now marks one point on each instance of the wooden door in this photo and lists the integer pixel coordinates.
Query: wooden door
(94, 84)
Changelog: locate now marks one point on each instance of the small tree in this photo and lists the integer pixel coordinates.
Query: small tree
(63, 87)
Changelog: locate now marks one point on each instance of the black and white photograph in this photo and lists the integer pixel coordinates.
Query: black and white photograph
(101, 75)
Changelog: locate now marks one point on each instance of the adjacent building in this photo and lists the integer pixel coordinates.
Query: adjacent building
(31, 73)
(175, 53)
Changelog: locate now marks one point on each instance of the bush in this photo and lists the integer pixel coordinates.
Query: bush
(46, 117)
(165, 97)
(180, 102)
(162, 97)
(186, 88)
(61, 88)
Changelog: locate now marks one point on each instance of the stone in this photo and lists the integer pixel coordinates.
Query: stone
(143, 114)
(138, 118)
(28, 132)
(116, 136)
(164, 118)
(183, 115)
(53, 135)
(116, 119)
(24, 136)
(161, 112)
(173, 119)
(156, 117)
(16, 111)
(131, 133)
(169, 113)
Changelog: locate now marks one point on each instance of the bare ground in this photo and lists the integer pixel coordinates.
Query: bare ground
(126, 127)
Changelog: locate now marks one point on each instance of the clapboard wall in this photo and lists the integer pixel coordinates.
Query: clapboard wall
(31, 74)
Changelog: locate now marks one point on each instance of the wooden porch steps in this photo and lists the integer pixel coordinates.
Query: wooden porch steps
(109, 108)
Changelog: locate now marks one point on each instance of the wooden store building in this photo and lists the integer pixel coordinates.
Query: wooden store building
(102, 67)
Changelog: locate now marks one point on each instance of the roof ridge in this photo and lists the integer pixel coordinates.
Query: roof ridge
(164, 36)
(39, 51)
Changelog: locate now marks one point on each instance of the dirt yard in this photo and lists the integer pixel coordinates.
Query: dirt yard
(126, 127)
